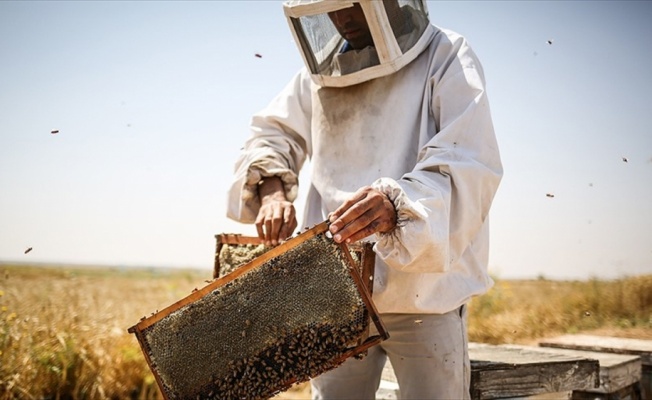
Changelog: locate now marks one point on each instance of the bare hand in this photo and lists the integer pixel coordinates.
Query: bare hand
(367, 212)
(276, 218)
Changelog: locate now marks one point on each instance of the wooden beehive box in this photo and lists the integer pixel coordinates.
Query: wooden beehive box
(637, 347)
(619, 374)
(292, 313)
(505, 371)
(517, 372)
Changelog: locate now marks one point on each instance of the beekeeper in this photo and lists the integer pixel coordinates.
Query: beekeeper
(393, 114)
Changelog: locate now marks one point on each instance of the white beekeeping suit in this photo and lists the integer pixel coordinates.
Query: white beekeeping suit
(407, 113)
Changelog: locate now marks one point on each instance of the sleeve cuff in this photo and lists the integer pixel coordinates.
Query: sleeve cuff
(405, 211)
(255, 175)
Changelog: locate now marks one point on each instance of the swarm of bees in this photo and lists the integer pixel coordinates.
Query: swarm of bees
(270, 327)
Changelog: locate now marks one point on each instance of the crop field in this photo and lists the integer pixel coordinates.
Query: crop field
(63, 330)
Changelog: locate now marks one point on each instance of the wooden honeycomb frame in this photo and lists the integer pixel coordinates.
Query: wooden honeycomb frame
(288, 352)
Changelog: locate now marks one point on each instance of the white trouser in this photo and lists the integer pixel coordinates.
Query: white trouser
(429, 354)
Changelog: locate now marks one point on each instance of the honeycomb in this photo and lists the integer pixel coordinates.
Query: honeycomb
(234, 250)
(230, 257)
(252, 334)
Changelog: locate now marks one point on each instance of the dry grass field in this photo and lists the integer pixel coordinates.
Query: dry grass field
(63, 330)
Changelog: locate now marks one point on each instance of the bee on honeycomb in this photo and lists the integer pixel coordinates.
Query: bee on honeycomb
(274, 325)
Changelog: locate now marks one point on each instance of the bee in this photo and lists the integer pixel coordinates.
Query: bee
(625, 159)
(550, 195)
(54, 132)
(549, 41)
(258, 55)
(28, 250)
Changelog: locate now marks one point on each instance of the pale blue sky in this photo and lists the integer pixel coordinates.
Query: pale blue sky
(152, 101)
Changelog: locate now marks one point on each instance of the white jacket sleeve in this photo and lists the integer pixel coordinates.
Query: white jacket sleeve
(444, 202)
(279, 145)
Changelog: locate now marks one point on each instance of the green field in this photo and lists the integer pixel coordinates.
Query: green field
(63, 330)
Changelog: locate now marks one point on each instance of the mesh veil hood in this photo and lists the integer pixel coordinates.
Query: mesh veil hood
(344, 43)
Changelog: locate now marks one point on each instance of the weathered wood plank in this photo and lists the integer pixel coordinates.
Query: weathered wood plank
(617, 371)
(520, 371)
(639, 347)
(646, 381)
(628, 393)
(565, 395)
